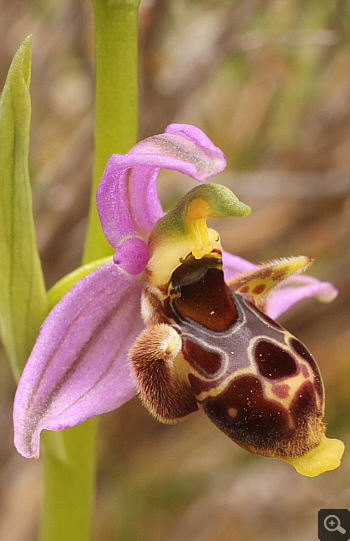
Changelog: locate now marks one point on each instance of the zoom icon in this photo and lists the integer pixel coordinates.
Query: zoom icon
(334, 525)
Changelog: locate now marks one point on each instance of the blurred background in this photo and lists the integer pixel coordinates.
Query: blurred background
(269, 82)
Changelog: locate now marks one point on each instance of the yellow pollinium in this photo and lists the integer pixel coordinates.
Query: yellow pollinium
(326, 456)
(203, 240)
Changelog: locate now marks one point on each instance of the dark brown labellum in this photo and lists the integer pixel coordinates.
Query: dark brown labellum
(253, 379)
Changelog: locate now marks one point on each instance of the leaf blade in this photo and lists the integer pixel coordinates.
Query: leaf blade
(23, 302)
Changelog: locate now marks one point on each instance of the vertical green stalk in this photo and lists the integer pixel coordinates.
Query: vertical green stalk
(69, 456)
(69, 459)
(116, 99)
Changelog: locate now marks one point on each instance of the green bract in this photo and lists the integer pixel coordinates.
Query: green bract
(23, 304)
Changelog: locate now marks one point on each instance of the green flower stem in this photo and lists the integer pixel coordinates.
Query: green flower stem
(116, 99)
(69, 458)
(70, 455)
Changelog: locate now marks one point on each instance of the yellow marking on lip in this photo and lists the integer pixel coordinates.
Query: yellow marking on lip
(294, 386)
(293, 381)
(215, 391)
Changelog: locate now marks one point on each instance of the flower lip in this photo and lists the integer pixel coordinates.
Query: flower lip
(325, 457)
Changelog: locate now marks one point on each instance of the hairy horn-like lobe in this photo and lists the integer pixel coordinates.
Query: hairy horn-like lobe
(161, 389)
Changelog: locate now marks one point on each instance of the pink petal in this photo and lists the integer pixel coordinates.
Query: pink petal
(127, 199)
(78, 367)
(233, 265)
(296, 289)
(132, 255)
(293, 290)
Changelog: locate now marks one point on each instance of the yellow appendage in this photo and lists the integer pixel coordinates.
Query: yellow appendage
(326, 456)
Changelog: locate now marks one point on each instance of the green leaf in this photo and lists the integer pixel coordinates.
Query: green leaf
(23, 303)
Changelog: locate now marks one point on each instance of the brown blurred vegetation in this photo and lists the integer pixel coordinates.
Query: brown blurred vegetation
(269, 82)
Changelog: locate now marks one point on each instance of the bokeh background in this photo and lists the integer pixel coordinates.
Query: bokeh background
(269, 82)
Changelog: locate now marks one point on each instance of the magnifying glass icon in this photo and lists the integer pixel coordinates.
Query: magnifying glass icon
(332, 524)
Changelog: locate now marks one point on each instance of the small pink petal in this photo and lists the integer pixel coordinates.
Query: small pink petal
(78, 367)
(293, 290)
(296, 289)
(233, 265)
(132, 255)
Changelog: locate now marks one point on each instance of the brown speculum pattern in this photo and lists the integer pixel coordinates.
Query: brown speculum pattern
(254, 380)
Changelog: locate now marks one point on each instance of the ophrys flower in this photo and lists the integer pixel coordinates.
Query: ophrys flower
(211, 345)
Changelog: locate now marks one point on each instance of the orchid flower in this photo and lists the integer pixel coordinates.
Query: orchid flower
(180, 322)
